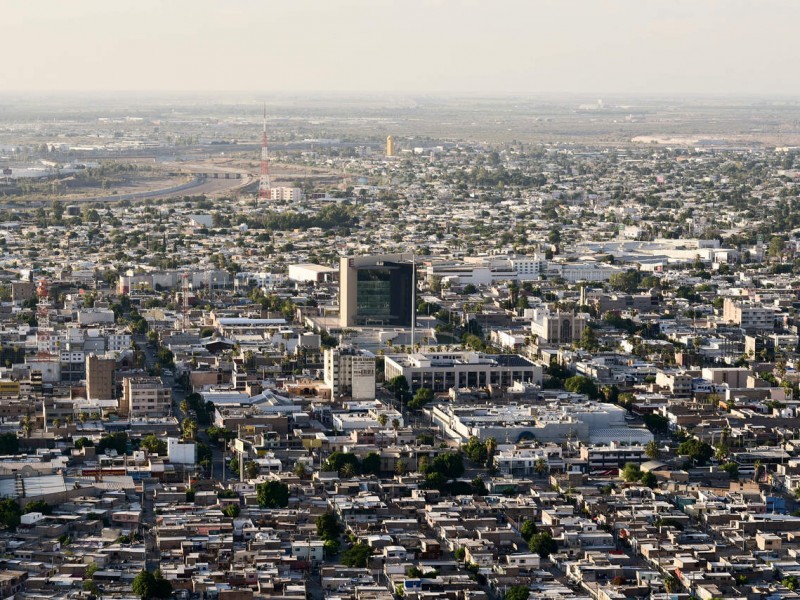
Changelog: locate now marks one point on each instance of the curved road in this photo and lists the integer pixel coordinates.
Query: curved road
(170, 191)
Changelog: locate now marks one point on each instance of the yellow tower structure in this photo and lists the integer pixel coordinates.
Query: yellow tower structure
(389, 146)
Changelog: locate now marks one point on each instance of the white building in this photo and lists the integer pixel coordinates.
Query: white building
(440, 371)
(311, 272)
(181, 452)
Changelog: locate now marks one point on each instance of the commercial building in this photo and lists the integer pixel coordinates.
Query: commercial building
(100, 377)
(440, 371)
(350, 372)
(376, 290)
(389, 145)
(554, 422)
(145, 397)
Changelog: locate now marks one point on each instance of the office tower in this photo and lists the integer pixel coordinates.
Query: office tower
(376, 290)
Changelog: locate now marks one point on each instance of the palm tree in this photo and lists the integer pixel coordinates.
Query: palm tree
(395, 426)
(756, 471)
(83, 417)
(651, 450)
(348, 471)
(491, 449)
(56, 422)
(189, 428)
(541, 467)
(27, 425)
(383, 419)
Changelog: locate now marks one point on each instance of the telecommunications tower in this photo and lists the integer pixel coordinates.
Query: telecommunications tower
(264, 190)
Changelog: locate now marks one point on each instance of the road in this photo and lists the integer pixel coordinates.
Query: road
(178, 394)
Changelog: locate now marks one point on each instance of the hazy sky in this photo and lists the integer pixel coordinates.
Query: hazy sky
(481, 46)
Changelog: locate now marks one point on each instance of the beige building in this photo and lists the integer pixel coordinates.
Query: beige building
(748, 315)
(145, 397)
(100, 377)
(558, 327)
(350, 372)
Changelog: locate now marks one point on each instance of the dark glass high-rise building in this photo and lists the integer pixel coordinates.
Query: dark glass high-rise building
(376, 290)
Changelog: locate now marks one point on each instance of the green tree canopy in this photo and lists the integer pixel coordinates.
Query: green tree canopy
(580, 384)
(272, 494)
(357, 555)
(518, 592)
(542, 544)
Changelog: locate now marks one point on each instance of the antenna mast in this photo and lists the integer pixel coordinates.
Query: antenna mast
(264, 188)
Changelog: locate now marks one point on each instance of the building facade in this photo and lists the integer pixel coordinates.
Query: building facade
(558, 327)
(145, 397)
(350, 372)
(376, 290)
(440, 371)
(100, 377)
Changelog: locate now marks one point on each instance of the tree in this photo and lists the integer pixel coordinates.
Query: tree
(649, 479)
(357, 555)
(776, 246)
(114, 441)
(399, 386)
(10, 513)
(580, 384)
(272, 494)
(382, 419)
(420, 399)
(627, 281)
(371, 464)
(475, 450)
(732, 469)
(151, 585)
(541, 466)
(348, 471)
(699, 452)
(631, 472)
(189, 427)
(589, 340)
(251, 469)
(83, 442)
(658, 424)
(542, 544)
(651, 450)
(518, 592)
(328, 526)
(38, 506)
(337, 460)
(154, 445)
(528, 529)
(232, 510)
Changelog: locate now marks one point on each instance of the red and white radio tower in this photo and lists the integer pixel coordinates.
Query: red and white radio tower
(264, 190)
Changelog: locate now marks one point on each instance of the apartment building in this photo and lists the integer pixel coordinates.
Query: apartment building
(145, 397)
(350, 372)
